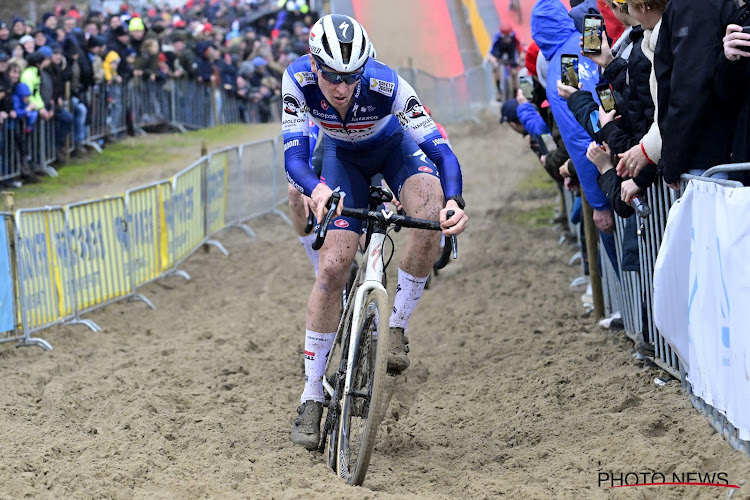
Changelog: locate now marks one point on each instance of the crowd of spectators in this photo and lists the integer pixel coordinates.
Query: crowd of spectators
(677, 70)
(47, 67)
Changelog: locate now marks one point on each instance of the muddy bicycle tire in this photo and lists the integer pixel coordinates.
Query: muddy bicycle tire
(361, 413)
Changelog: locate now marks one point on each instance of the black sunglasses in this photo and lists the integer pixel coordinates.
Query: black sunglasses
(337, 78)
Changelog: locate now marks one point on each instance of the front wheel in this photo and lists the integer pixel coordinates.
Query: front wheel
(363, 407)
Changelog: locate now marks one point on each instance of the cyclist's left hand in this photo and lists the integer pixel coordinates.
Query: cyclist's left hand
(457, 223)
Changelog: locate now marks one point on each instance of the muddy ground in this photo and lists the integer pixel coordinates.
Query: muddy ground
(512, 391)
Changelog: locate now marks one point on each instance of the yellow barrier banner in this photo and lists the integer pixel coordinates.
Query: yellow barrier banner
(217, 174)
(43, 266)
(165, 202)
(99, 250)
(146, 228)
(186, 220)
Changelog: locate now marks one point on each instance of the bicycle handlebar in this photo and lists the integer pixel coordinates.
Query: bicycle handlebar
(389, 218)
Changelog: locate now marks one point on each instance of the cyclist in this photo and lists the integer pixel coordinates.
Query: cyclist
(373, 121)
(506, 47)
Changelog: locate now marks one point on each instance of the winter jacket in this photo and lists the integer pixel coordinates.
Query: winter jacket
(555, 33)
(696, 133)
(32, 79)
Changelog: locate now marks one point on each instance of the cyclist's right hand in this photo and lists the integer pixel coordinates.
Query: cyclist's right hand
(319, 197)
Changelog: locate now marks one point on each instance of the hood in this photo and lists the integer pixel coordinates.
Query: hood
(551, 26)
(577, 12)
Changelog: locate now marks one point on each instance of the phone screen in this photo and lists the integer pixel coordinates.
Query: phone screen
(569, 70)
(606, 97)
(527, 88)
(592, 34)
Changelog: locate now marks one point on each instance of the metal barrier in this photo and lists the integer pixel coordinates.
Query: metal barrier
(10, 162)
(44, 275)
(148, 237)
(99, 252)
(461, 97)
(191, 104)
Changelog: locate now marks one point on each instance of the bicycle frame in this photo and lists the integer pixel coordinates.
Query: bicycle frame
(374, 269)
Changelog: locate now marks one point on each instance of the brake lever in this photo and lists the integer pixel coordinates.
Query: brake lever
(332, 205)
(310, 222)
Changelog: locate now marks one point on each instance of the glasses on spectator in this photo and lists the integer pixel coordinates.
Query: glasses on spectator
(337, 78)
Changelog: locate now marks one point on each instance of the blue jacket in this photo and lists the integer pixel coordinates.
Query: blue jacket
(555, 33)
(531, 120)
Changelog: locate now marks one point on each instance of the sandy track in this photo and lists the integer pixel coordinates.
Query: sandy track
(510, 390)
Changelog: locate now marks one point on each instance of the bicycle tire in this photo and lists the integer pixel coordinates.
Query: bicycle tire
(367, 408)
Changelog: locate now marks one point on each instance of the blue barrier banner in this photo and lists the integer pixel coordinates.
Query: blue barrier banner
(7, 312)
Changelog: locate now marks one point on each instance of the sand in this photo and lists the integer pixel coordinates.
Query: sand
(512, 391)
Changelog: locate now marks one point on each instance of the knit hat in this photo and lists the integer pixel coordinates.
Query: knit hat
(136, 24)
(25, 38)
(45, 51)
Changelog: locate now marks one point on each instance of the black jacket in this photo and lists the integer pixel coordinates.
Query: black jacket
(636, 100)
(696, 133)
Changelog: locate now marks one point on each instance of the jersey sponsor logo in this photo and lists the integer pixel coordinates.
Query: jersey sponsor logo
(310, 355)
(382, 87)
(324, 105)
(363, 118)
(437, 142)
(291, 144)
(341, 223)
(425, 169)
(305, 78)
(291, 105)
(294, 184)
(324, 116)
(413, 108)
(421, 155)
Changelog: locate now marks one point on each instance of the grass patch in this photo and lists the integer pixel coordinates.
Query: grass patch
(142, 153)
(537, 217)
(538, 182)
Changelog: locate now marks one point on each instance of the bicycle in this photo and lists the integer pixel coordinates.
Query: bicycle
(356, 388)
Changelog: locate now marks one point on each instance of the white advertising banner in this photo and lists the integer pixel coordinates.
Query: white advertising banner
(712, 250)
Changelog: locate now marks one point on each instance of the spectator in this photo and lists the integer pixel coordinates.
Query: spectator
(137, 31)
(555, 33)
(95, 45)
(18, 28)
(49, 27)
(63, 118)
(206, 55)
(28, 44)
(732, 77)
(696, 130)
(31, 76)
(24, 116)
(80, 81)
(4, 37)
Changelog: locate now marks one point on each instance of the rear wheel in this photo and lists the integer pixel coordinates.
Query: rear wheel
(362, 409)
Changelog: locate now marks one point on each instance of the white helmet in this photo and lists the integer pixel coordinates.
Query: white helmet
(340, 43)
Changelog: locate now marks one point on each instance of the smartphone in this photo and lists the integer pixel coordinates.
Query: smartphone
(592, 34)
(746, 29)
(569, 70)
(527, 87)
(605, 96)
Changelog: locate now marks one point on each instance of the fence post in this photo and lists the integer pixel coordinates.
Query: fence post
(592, 247)
(9, 205)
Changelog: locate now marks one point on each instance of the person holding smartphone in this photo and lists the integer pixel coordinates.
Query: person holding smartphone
(554, 31)
(733, 72)
(696, 131)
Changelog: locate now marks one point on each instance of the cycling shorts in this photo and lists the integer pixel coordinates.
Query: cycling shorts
(397, 158)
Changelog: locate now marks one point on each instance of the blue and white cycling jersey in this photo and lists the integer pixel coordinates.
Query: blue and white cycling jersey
(384, 105)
